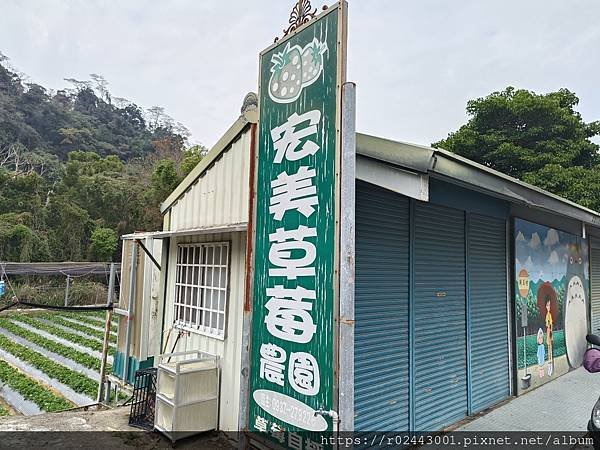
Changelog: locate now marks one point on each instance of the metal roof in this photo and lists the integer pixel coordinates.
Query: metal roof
(233, 227)
(447, 165)
(428, 160)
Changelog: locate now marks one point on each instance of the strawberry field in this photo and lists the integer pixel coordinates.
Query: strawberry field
(50, 361)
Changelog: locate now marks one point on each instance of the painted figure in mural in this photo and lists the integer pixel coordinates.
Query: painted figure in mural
(548, 307)
(541, 352)
(575, 307)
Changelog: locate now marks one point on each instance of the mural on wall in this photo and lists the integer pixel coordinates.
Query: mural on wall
(551, 290)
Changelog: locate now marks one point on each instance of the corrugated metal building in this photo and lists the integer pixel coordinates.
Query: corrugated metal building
(204, 236)
(439, 333)
(448, 319)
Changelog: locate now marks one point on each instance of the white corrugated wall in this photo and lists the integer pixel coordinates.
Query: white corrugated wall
(220, 195)
(229, 348)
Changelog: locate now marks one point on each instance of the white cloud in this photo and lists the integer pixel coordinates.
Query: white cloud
(535, 242)
(553, 259)
(551, 238)
(520, 237)
(528, 262)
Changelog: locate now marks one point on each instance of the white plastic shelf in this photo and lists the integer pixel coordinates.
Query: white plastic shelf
(187, 394)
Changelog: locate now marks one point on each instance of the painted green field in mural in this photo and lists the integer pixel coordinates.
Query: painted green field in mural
(532, 348)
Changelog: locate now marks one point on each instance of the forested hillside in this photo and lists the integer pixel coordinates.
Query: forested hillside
(78, 168)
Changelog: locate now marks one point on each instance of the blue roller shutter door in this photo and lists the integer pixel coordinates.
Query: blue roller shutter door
(459, 291)
(439, 335)
(488, 329)
(381, 383)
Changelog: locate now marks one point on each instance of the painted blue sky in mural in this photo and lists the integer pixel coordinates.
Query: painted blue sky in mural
(544, 252)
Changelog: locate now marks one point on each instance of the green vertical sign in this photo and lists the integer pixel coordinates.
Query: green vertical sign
(292, 359)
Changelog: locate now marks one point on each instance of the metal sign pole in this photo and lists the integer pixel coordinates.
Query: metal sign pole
(347, 259)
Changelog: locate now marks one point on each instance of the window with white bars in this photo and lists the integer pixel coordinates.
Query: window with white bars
(201, 287)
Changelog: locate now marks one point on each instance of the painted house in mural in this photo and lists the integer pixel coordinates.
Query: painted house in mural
(451, 256)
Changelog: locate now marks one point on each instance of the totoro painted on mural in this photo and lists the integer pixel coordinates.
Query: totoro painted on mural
(551, 290)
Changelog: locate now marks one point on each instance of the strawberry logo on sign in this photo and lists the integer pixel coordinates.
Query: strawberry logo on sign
(295, 68)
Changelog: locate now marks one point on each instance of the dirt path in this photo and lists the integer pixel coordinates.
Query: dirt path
(89, 422)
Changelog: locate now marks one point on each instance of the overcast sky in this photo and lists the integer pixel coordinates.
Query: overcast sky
(415, 63)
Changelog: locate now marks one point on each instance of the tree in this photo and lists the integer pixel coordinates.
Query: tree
(577, 183)
(76, 162)
(69, 229)
(191, 157)
(101, 86)
(164, 178)
(104, 242)
(519, 132)
(539, 138)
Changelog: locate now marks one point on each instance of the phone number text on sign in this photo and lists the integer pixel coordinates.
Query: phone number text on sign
(289, 410)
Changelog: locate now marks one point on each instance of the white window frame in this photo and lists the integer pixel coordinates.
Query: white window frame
(191, 286)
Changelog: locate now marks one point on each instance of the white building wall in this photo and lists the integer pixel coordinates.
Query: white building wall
(229, 348)
(220, 195)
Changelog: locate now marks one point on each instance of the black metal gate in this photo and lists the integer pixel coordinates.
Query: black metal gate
(144, 399)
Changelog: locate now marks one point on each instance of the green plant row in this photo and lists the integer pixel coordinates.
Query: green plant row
(56, 331)
(68, 352)
(84, 317)
(86, 322)
(31, 390)
(100, 314)
(75, 380)
(55, 318)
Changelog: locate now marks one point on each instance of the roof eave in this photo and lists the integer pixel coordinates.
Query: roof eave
(445, 164)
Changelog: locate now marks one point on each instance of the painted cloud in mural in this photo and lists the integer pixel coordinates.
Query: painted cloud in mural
(551, 238)
(535, 242)
(553, 259)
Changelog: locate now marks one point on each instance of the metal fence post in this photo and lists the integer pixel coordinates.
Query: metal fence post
(111, 289)
(67, 290)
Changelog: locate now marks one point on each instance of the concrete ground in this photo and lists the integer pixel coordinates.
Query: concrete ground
(565, 404)
(93, 425)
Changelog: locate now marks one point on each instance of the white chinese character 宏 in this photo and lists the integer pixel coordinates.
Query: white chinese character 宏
(288, 137)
